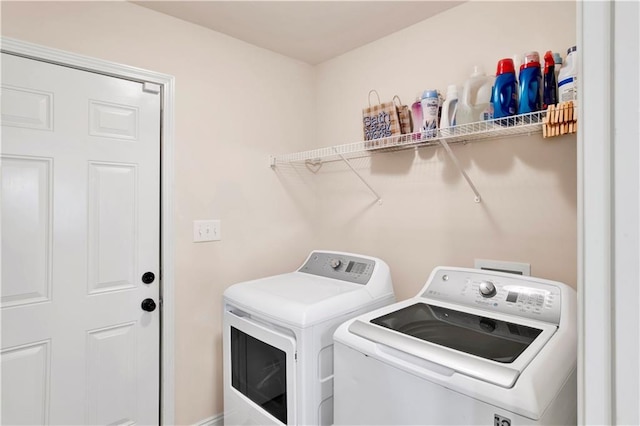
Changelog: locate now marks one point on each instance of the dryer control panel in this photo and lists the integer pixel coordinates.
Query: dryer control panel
(520, 296)
(339, 266)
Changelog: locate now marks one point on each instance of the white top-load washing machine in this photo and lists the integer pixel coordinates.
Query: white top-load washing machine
(278, 337)
(472, 348)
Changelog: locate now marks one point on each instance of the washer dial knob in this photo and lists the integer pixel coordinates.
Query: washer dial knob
(487, 289)
(335, 263)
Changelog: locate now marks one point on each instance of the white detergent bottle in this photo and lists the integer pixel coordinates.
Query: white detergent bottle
(475, 103)
(568, 78)
(449, 107)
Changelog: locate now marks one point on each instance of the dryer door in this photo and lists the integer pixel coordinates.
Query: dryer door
(262, 366)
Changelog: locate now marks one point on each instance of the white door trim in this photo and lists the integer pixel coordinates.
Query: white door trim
(608, 158)
(595, 273)
(167, 82)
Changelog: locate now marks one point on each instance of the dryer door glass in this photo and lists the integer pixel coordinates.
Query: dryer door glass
(488, 338)
(259, 371)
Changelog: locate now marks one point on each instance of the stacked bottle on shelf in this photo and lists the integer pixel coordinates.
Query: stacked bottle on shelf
(529, 84)
(430, 103)
(449, 107)
(550, 83)
(536, 86)
(505, 91)
(475, 103)
(568, 77)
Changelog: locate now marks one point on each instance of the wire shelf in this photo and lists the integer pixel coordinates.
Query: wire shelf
(511, 126)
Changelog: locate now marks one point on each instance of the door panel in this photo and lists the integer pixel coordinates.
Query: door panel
(113, 121)
(113, 228)
(26, 230)
(111, 382)
(80, 225)
(26, 108)
(28, 365)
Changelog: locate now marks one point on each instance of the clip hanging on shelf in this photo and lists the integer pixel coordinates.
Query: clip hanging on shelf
(560, 119)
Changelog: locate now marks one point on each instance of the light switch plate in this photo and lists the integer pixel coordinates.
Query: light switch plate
(206, 230)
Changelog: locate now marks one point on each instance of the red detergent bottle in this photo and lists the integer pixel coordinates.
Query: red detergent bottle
(550, 85)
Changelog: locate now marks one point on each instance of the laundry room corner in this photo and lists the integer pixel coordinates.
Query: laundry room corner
(320, 212)
(238, 105)
(427, 216)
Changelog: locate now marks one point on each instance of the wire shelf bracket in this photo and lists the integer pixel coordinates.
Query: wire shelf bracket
(453, 157)
(375, 193)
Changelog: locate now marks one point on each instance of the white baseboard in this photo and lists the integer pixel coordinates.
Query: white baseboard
(217, 420)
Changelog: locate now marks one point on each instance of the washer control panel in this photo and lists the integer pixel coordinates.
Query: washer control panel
(339, 266)
(522, 296)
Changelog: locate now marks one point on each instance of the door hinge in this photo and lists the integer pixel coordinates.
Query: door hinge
(151, 87)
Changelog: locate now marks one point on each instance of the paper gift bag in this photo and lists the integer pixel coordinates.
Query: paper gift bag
(380, 120)
(404, 115)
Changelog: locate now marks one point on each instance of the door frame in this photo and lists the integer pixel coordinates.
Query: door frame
(167, 265)
(608, 213)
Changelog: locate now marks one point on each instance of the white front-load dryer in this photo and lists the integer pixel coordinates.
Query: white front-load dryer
(472, 348)
(278, 337)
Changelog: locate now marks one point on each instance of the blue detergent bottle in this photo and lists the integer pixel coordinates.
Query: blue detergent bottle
(505, 90)
(530, 87)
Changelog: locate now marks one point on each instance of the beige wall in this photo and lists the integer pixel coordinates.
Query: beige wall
(236, 104)
(428, 216)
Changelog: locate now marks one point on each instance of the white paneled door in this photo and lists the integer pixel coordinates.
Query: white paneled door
(80, 247)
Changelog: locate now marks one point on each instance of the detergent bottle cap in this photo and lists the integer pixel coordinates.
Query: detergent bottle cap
(548, 61)
(531, 60)
(572, 49)
(505, 66)
(548, 58)
(530, 57)
(557, 58)
(429, 94)
(452, 91)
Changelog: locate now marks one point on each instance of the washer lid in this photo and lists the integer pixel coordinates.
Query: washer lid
(493, 348)
(487, 338)
(297, 298)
